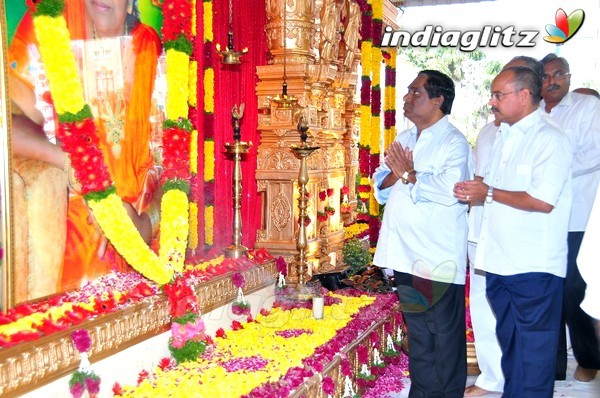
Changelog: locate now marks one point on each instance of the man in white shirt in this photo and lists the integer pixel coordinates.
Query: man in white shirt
(579, 116)
(424, 234)
(487, 349)
(523, 241)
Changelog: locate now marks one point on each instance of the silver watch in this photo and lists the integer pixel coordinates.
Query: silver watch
(489, 197)
(405, 176)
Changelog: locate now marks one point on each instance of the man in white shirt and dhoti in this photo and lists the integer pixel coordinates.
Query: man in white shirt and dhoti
(523, 242)
(423, 236)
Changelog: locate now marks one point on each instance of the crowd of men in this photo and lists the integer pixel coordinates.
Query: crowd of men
(516, 209)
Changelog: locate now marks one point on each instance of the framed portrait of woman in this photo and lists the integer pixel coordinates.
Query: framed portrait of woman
(58, 246)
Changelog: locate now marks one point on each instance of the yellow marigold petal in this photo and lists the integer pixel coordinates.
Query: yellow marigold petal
(193, 234)
(193, 81)
(209, 164)
(177, 64)
(194, 152)
(174, 229)
(208, 21)
(209, 90)
(209, 225)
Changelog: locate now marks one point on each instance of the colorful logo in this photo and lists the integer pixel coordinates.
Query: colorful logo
(565, 27)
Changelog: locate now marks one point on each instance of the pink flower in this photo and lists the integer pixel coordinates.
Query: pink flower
(328, 386)
(93, 384)
(240, 309)
(363, 354)
(77, 390)
(281, 265)
(81, 340)
(346, 367)
(238, 280)
(197, 328)
(178, 332)
(375, 339)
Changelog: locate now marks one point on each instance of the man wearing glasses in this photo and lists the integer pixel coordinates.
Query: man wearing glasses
(579, 116)
(483, 319)
(522, 245)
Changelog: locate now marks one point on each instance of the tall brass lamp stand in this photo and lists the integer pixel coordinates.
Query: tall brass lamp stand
(236, 149)
(302, 152)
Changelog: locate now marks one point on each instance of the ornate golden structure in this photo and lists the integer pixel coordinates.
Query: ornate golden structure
(321, 71)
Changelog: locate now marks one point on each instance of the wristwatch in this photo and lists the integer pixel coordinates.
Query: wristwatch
(405, 176)
(489, 197)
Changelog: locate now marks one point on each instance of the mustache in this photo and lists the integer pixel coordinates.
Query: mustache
(494, 109)
(552, 87)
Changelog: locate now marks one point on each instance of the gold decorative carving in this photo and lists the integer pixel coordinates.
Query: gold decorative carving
(30, 365)
(261, 235)
(281, 116)
(277, 159)
(281, 210)
(261, 185)
(280, 132)
(337, 158)
(264, 120)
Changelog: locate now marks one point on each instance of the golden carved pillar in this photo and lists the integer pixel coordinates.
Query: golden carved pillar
(322, 75)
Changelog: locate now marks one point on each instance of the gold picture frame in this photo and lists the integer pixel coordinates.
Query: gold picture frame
(6, 241)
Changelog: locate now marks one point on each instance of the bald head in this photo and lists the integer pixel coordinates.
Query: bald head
(587, 91)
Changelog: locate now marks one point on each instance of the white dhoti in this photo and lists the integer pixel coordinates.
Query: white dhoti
(487, 347)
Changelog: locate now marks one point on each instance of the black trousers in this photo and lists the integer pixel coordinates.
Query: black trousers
(435, 317)
(581, 326)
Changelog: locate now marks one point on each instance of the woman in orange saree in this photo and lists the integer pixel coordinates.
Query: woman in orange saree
(118, 73)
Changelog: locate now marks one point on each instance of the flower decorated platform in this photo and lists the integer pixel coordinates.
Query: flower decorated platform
(118, 310)
(286, 352)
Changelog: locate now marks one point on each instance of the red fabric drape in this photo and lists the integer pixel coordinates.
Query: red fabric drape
(236, 84)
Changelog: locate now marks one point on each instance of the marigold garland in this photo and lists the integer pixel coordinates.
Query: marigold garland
(389, 121)
(177, 84)
(375, 135)
(193, 82)
(61, 69)
(111, 210)
(209, 224)
(209, 91)
(193, 230)
(195, 193)
(208, 27)
(365, 98)
(209, 168)
(194, 19)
